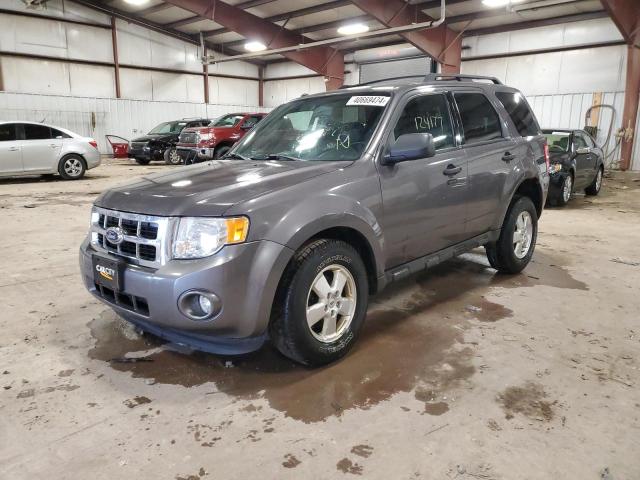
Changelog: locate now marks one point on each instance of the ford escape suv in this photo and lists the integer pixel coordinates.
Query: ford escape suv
(329, 199)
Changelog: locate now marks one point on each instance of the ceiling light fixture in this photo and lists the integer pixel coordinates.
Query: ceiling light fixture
(499, 3)
(254, 46)
(137, 3)
(353, 29)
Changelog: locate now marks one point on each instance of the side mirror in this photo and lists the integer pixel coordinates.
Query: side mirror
(247, 126)
(410, 146)
(583, 150)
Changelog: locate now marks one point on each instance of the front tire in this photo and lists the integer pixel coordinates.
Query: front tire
(514, 248)
(323, 297)
(72, 167)
(171, 156)
(594, 188)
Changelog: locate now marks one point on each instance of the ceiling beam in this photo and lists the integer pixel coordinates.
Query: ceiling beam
(324, 60)
(626, 15)
(156, 27)
(288, 15)
(184, 21)
(440, 43)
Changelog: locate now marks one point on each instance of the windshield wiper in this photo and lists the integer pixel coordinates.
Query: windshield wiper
(237, 156)
(276, 156)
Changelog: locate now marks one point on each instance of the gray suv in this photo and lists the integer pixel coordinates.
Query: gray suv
(329, 199)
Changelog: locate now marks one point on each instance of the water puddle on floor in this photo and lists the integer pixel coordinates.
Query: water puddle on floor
(412, 337)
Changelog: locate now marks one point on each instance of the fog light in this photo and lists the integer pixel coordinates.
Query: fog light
(199, 305)
(205, 305)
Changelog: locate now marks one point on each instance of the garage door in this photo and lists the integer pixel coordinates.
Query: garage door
(371, 72)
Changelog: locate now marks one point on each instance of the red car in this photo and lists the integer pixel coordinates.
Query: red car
(216, 139)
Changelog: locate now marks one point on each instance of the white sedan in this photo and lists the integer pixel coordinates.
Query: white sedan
(28, 148)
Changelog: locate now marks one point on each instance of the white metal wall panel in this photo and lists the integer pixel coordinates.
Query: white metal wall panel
(60, 8)
(136, 84)
(37, 76)
(91, 81)
(281, 91)
(567, 35)
(97, 117)
(134, 47)
(88, 43)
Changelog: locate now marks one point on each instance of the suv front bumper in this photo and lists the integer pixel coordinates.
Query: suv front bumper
(188, 154)
(244, 277)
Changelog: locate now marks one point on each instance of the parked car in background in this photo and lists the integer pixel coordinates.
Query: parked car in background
(330, 198)
(160, 142)
(217, 138)
(29, 148)
(576, 164)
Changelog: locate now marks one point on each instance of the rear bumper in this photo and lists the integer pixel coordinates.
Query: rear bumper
(93, 159)
(244, 277)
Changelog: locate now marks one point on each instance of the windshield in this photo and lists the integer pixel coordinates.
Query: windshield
(558, 141)
(227, 121)
(336, 127)
(169, 127)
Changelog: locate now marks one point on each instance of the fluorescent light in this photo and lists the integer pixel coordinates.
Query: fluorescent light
(353, 28)
(255, 46)
(137, 3)
(499, 3)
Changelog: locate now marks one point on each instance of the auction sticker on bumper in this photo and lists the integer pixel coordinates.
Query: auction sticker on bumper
(107, 272)
(370, 100)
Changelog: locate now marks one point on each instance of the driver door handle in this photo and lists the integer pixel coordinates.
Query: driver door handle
(507, 157)
(451, 170)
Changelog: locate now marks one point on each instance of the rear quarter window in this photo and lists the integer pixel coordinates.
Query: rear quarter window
(520, 113)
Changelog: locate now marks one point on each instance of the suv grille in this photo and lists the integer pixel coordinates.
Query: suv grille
(144, 236)
(189, 137)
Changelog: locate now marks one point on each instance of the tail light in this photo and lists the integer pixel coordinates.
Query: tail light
(546, 156)
(93, 143)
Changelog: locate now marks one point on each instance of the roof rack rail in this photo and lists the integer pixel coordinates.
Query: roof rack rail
(432, 77)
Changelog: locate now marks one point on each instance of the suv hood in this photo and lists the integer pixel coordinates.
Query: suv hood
(211, 188)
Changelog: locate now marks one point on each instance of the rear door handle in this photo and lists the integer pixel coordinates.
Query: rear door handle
(14, 149)
(507, 157)
(53, 145)
(451, 170)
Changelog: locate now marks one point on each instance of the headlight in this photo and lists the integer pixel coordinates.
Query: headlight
(206, 136)
(555, 167)
(198, 237)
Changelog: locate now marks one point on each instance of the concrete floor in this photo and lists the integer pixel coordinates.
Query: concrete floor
(460, 373)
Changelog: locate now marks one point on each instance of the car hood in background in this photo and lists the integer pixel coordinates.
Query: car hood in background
(211, 188)
(156, 137)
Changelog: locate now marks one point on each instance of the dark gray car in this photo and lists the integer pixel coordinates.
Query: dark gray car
(329, 199)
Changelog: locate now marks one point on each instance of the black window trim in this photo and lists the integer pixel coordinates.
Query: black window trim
(24, 132)
(506, 134)
(399, 109)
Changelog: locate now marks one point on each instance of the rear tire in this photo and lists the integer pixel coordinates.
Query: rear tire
(72, 167)
(321, 303)
(564, 195)
(171, 156)
(514, 248)
(594, 188)
(142, 161)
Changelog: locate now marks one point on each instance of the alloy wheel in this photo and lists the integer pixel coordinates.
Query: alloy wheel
(73, 167)
(566, 188)
(331, 303)
(523, 235)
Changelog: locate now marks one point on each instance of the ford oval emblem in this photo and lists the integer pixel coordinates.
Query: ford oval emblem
(114, 235)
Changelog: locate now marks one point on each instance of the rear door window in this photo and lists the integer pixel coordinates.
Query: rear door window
(522, 116)
(8, 132)
(55, 133)
(36, 132)
(427, 114)
(480, 121)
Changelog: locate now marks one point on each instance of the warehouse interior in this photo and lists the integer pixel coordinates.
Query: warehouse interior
(459, 372)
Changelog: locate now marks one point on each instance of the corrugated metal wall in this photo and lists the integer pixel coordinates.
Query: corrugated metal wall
(97, 117)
